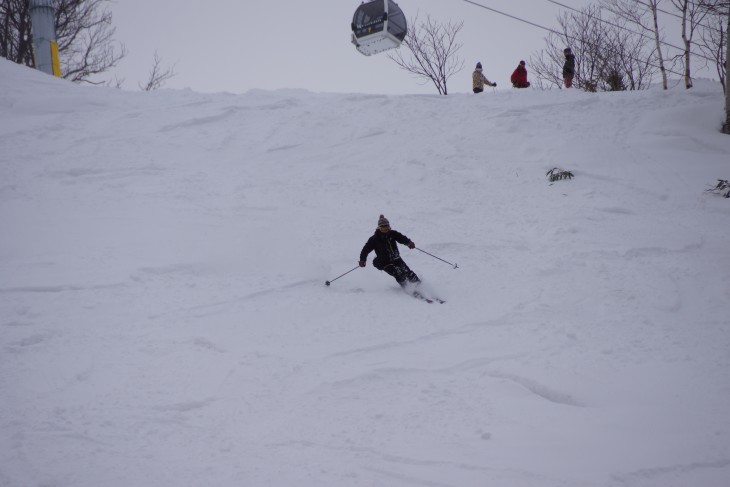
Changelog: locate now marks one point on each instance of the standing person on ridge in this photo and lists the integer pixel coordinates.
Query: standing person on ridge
(387, 258)
(568, 67)
(479, 80)
(519, 76)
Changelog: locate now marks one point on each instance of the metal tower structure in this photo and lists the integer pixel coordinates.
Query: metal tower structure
(45, 48)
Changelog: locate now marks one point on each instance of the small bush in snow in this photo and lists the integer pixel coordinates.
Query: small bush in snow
(722, 185)
(556, 174)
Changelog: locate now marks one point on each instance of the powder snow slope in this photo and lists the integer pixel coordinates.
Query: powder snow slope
(164, 319)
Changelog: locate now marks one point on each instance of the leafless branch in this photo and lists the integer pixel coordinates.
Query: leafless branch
(158, 75)
(609, 57)
(84, 34)
(433, 52)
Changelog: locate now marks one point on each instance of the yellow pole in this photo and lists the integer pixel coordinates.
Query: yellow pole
(54, 59)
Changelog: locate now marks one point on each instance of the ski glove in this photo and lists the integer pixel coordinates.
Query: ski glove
(411, 245)
(494, 85)
(361, 263)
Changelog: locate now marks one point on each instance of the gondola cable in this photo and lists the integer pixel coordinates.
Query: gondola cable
(559, 34)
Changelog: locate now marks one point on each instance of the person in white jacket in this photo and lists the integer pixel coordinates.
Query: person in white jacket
(479, 80)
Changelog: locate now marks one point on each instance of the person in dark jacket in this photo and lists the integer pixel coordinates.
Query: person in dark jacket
(387, 258)
(568, 67)
(519, 76)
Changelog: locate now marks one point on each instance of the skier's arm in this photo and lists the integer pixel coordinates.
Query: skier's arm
(402, 239)
(367, 248)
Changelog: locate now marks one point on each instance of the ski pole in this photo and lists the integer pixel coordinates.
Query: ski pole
(327, 283)
(439, 258)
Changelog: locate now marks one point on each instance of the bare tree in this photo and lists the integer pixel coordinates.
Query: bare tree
(15, 37)
(721, 8)
(84, 33)
(117, 82)
(433, 52)
(653, 8)
(546, 65)
(643, 14)
(629, 54)
(726, 126)
(712, 41)
(692, 16)
(609, 57)
(158, 75)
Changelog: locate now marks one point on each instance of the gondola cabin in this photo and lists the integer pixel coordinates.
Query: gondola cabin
(378, 25)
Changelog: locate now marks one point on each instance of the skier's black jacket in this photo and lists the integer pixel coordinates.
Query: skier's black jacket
(569, 66)
(384, 245)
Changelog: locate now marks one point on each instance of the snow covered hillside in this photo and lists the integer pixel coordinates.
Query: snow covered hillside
(164, 319)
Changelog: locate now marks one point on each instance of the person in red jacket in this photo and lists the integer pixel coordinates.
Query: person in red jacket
(519, 77)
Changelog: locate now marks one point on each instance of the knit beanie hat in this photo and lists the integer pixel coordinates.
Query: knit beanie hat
(383, 222)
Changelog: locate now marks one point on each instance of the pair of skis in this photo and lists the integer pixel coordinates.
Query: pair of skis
(420, 296)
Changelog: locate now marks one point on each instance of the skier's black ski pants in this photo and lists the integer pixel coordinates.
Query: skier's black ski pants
(399, 270)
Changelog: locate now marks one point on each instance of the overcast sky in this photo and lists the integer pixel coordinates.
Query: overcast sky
(234, 46)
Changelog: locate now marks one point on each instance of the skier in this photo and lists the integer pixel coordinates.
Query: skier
(568, 67)
(519, 76)
(479, 80)
(387, 258)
